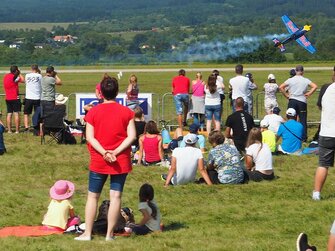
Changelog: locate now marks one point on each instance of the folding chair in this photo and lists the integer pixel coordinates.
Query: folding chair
(53, 124)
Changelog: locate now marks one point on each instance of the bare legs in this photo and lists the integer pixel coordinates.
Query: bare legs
(113, 212)
(180, 120)
(90, 212)
(16, 122)
(320, 178)
(26, 121)
(209, 125)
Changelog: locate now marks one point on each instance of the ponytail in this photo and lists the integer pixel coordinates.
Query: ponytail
(153, 209)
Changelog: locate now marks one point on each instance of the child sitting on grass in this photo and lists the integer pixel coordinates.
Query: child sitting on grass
(151, 215)
(60, 213)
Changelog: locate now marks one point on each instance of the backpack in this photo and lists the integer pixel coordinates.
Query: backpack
(100, 225)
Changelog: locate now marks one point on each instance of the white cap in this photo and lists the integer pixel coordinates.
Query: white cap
(190, 138)
(264, 123)
(271, 77)
(291, 112)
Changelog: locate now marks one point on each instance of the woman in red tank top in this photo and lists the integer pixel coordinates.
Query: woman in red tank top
(150, 144)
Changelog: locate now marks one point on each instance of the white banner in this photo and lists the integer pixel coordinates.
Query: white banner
(144, 99)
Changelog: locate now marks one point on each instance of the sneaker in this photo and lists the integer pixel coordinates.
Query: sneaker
(302, 243)
(83, 238)
(316, 195)
(163, 176)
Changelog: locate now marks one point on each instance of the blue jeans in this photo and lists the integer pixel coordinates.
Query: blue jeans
(179, 101)
(97, 181)
(199, 119)
(211, 110)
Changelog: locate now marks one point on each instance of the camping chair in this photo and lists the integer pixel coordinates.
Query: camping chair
(53, 124)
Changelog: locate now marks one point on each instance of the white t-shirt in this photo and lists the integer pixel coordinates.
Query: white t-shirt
(187, 164)
(33, 86)
(274, 121)
(297, 87)
(219, 84)
(212, 99)
(327, 112)
(152, 224)
(240, 86)
(262, 158)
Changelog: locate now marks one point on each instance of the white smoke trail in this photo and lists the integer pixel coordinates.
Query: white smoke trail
(217, 50)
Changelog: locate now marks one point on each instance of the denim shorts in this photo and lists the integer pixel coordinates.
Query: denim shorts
(211, 110)
(96, 182)
(179, 100)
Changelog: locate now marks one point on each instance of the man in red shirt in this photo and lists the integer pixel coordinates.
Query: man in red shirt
(11, 86)
(180, 90)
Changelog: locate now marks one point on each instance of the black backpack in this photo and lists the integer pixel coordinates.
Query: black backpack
(100, 225)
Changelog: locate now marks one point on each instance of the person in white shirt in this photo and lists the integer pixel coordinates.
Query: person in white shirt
(326, 103)
(270, 89)
(185, 162)
(240, 86)
(298, 94)
(258, 159)
(274, 119)
(33, 93)
(220, 87)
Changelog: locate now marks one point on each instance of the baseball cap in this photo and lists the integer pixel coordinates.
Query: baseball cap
(248, 75)
(190, 138)
(291, 112)
(299, 68)
(276, 110)
(264, 123)
(194, 128)
(271, 77)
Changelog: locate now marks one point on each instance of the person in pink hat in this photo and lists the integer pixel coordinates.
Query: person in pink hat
(60, 213)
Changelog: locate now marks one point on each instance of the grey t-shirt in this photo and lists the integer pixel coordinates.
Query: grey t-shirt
(297, 87)
(48, 88)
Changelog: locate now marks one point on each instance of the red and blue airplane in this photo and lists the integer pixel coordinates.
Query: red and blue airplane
(297, 34)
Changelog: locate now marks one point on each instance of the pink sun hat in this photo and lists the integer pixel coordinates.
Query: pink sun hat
(61, 190)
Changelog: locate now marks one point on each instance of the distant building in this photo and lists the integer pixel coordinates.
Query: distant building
(2, 41)
(65, 39)
(38, 46)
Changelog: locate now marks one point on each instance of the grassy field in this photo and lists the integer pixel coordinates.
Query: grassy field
(32, 26)
(255, 216)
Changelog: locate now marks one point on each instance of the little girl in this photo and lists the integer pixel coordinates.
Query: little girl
(258, 159)
(270, 99)
(132, 92)
(151, 215)
(60, 213)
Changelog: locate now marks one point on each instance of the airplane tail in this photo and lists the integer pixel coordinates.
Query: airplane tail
(279, 44)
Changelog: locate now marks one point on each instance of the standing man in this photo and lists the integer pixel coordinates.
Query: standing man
(11, 87)
(33, 93)
(238, 125)
(180, 90)
(298, 94)
(49, 82)
(326, 103)
(240, 86)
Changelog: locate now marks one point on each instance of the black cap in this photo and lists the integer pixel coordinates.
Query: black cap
(276, 110)
(292, 72)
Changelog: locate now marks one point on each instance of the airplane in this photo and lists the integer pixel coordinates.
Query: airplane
(297, 34)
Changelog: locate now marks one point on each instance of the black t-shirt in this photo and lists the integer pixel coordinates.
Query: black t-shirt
(139, 126)
(241, 123)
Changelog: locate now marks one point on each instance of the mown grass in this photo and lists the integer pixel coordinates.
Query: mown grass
(255, 216)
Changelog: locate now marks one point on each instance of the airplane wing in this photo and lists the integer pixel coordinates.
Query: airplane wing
(290, 26)
(304, 42)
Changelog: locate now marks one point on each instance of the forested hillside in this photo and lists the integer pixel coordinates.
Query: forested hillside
(151, 31)
(165, 12)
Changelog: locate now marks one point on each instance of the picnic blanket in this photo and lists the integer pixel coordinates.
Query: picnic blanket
(27, 231)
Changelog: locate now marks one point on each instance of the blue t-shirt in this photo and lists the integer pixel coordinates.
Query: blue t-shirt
(291, 143)
(200, 143)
